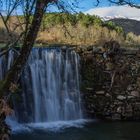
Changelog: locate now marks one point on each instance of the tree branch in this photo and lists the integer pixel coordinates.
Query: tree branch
(11, 46)
(125, 2)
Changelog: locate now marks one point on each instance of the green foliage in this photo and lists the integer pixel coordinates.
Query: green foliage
(98, 21)
(53, 19)
(119, 29)
(86, 20)
(111, 26)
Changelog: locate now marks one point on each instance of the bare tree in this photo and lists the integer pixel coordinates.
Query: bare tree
(33, 11)
(13, 74)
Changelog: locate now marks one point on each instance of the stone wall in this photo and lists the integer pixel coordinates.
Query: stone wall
(110, 82)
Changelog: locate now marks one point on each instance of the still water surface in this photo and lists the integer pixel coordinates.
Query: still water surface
(92, 131)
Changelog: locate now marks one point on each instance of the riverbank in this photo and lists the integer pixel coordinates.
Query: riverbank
(110, 83)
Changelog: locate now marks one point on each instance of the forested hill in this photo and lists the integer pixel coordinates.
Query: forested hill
(128, 25)
(77, 29)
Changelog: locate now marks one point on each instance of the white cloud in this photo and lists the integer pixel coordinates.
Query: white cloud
(116, 11)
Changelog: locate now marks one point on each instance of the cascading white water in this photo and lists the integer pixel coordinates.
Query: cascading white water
(54, 82)
(5, 63)
(50, 85)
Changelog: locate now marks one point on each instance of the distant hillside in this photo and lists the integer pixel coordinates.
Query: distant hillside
(128, 25)
(76, 29)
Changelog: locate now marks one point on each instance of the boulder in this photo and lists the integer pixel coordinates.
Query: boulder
(100, 92)
(116, 116)
(121, 97)
(135, 94)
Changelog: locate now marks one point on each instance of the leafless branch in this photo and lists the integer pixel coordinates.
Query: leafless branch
(5, 23)
(11, 46)
(11, 9)
(97, 2)
(125, 2)
(18, 25)
(4, 52)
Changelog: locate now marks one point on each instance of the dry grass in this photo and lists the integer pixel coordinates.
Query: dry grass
(79, 35)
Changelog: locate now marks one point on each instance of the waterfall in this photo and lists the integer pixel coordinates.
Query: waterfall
(5, 63)
(50, 86)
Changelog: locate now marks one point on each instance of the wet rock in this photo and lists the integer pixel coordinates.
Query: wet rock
(135, 94)
(129, 108)
(120, 97)
(116, 116)
(107, 95)
(119, 109)
(100, 92)
(130, 88)
(89, 89)
(130, 97)
(114, 78)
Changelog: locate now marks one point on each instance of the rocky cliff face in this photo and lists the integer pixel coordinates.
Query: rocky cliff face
(111, 82)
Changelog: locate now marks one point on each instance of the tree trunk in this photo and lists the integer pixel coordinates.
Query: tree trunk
(14, 73)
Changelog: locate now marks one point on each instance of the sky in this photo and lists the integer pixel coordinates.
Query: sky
(85, 5)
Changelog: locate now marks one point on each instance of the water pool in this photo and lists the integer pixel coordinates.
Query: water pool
(90, 131)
